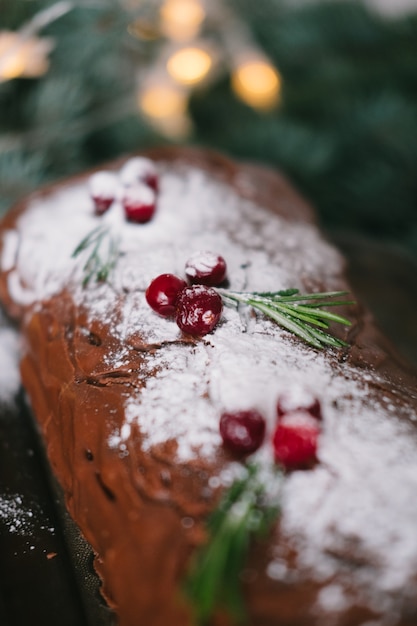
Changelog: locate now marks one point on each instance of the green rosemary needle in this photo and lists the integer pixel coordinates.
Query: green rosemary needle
(301, 314)
(98, 265)
(242, 515)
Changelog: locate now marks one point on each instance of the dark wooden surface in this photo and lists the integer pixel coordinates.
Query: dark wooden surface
(37, 582)
(385, 279)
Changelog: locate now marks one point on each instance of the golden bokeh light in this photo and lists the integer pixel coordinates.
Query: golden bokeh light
(23, 57)
(12, 56)
(189, 65)
(162, 101)
(257, 83)
(165, 106)
(181, 19)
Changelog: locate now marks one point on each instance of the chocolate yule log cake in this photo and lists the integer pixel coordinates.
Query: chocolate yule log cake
(232, 435)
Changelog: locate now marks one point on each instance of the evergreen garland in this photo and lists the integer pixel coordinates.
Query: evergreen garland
(81, 112)
(346, 130)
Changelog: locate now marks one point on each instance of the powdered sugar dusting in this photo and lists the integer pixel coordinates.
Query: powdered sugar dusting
(103, 185)
(9, 362)
(137, 169)
(43, 262)
(358, 502)
(186, 413)
(14, 515)
(140, 193)
(18, 516)
(200, 262)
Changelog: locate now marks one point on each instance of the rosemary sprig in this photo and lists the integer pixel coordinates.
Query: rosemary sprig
(242, 515)
(301, 314)
(96, 265)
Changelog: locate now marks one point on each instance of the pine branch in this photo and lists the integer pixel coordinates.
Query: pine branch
(242, 515)
(298, 313)
(96, 265)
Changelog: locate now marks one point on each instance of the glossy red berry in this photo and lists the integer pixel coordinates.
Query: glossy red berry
(139, 203)
(103, 190)
(295, 441)
(162, 294)
(205, 268)
(199, 308)
(139, 170)
(298, 398)
(152, 180)
(242, 432)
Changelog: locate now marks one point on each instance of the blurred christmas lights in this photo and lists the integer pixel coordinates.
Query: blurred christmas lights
(23, 57)
(181, 20)
(189, 66)
(257, 83)
(22, 53)
(195, 42)
(183, 61)
(162, 100)
(164, 104)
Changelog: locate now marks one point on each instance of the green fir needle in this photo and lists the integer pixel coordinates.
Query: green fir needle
(301, 314)
(242, 515)
(103, 254)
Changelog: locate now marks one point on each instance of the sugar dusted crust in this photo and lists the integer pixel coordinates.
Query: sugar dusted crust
(129, 407)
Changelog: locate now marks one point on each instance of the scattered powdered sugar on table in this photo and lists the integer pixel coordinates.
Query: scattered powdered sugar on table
(14, 515)
(18, 516)
(358, 505)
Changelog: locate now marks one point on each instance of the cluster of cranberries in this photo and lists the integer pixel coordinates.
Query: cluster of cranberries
(296, 433)
(136, 186)
(195, 306)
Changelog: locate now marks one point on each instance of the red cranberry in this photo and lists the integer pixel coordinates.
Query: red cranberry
(295, 441)
(139, 170)
(206, 268)
(198, 310)
(242, 432)
(162, 294)
(139, 203)
(103, 190)
(152, 181)
(298, 398)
